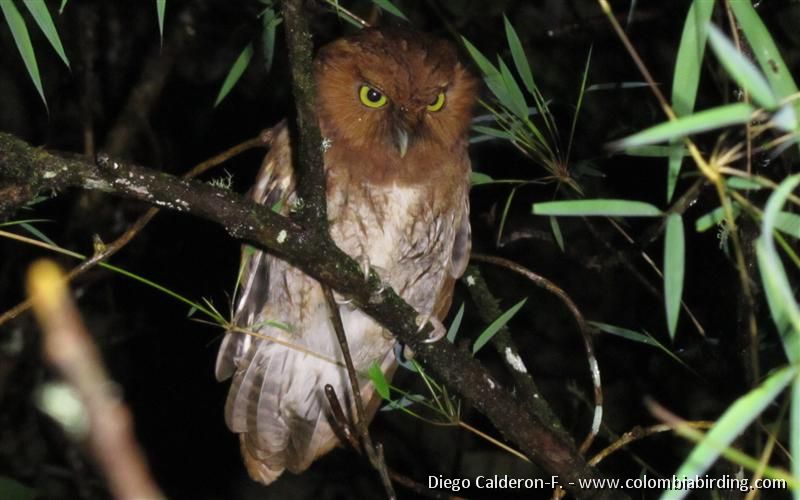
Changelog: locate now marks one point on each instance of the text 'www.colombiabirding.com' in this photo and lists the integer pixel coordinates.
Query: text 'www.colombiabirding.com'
(504, 482)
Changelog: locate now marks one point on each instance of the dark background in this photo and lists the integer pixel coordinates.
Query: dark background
(164, 361)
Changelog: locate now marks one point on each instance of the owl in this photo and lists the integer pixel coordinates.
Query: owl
(394, 110)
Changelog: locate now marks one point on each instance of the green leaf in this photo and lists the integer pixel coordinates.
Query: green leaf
(643, 338)
(455, 325)
(492, 76)
(269, 22)
(161, 7)
(478, 178)
(61, 7)
(235, 72)
(23, 41)
(780, 298)
(743, 72)
(788, 223)
(714, 217)
(742, 183)
(379, 380)
(657, 151)
(686, 76)
(607, 207)
(674, 255)
(735, 419)
(41, 15)
(493, 132)
(519, 57)
(390, 8)
(496, 325)
(765, 51)
(556, 229)
(34, 231)
(516, 99)
(722, 116)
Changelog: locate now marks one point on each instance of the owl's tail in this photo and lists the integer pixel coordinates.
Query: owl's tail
(256, 468)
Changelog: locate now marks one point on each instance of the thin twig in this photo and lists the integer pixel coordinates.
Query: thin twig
(69, 347)
(594, 368)
(638, 433)
(374, 453)
(343, 429)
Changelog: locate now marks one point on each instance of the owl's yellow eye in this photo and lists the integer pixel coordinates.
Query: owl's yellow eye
(371, 97)
(438, 103)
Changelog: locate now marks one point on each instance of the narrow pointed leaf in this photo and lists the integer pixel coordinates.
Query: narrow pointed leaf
(735, 419)
(674, 255)
(389, 7)
(687, 76)
(765, 50)
(41, 15)
(743, 72)
(23, 41)
(780, 297)
(519, 57)
(496, 325)
(379, 380)
(455, 325)
(702, 121)
(788, 223)
(235, 72)
(517, 100)
(269, 22)
(605, 207)
(714, 217)
(635, 336)
(161, 7)
(556, 229)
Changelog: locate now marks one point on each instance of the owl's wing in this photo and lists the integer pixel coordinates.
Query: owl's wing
(274, 187)
(462, 245)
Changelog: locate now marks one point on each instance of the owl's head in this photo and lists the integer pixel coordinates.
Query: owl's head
(396, 91)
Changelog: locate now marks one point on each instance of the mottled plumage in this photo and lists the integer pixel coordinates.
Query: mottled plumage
(394, 109)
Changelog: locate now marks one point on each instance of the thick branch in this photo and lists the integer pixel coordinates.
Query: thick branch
(308, 161)
(28, 170)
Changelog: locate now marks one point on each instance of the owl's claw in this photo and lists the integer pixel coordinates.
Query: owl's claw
(439, 331)
(403, 353)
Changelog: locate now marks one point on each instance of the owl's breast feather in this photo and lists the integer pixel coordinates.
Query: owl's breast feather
(401, 231)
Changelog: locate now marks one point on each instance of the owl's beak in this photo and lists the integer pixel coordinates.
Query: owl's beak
(401, 140)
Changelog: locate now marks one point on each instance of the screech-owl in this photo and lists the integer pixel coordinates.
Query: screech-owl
(394, 109)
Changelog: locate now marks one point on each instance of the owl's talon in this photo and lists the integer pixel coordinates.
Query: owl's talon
(403, 353)
(439, 331)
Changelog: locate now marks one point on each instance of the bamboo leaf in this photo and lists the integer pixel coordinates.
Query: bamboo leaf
(687, 76)
(743, 72)
(606, 207)
(735, 419)
(710, 119)
(519, 57)
(161, 7)
(23, 41)
(235, 72)
(780, 297)
(379, 380)
(389, 7)
(455, 325)
(41, 15)
(674, 255)
(496, 325)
